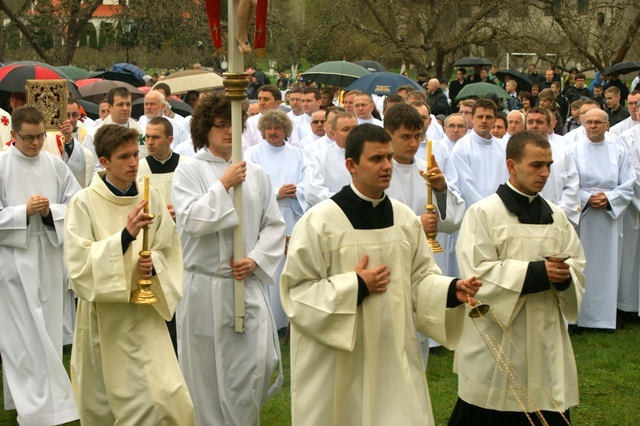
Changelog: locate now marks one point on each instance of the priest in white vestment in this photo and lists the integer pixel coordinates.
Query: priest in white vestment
(631, 121)
(35, 188)
(123, 367)
(358, 269)
(228, 374)
(607, 180)
(154, 105)
(504, 240)
(287, 181)
(478, 157)
(326, 173)
(629, 289)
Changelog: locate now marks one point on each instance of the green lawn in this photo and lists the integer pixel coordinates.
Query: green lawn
(607, 369)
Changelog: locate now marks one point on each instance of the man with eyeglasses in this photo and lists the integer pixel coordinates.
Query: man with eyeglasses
(35, 188)
(607, 180)
(228, 374)
(318, 121)
(455, 127)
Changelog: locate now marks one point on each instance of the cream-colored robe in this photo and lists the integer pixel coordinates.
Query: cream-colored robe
(361, 365)
(161, 181)
(497, 249)
(123, 366)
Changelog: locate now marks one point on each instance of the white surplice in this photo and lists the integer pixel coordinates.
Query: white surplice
(131, 124)
(272, 159)
(481, 166)
(326, 173)
(360, 364)
(163, 182)
(602, 167)
(408, 187)
(563, 184)
(629, 289)
(32, 285)
(228, 374)
(123, 366)
(496, 248)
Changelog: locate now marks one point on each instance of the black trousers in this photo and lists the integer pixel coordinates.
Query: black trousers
(465, 414)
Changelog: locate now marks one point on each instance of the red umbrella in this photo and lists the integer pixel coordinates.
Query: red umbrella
(97, 91)
(13, 77)
(83, 82)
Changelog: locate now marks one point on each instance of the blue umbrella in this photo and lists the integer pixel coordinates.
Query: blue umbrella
(133, 69)
(382, 83)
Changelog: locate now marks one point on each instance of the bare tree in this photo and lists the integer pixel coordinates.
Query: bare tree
(600, 33)
(63, 24)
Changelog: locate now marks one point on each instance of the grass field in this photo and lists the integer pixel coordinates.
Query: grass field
(607, 369)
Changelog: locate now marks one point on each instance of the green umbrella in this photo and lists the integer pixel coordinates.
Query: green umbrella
(480, 90)
(74, 72)
(335, 73)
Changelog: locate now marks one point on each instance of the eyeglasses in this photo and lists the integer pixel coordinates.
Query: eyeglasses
(73, 114)
(224, 126)
(456, 126)
(31, 138)
(318, 121)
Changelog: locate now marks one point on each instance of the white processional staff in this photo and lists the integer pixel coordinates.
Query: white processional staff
(235, 82)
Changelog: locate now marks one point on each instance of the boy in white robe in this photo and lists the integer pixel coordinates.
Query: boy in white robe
(228, 374)
(357, 270)
(504, 240)
(123, 366)
(406, 127)
(35, 188)
(479, 157)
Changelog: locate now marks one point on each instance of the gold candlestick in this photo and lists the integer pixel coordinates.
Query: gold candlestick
(434, 245)
(144, 295)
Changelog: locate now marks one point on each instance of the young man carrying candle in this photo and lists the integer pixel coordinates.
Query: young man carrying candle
(358, 269)
(123, 367)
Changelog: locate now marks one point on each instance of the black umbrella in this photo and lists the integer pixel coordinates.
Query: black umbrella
(90, 108)
(371, 66)
(622, 68)
(179, 107)
(472, 62)
(127, 77)
(522, 79)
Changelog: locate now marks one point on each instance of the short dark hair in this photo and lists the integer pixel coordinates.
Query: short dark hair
(402, 115)
(528, 96)
(210, 107)
(164, 87)
(123, 92)
(277, 94)
(503, 117)
(463, 70)
(71, 101)
(25, 114)
(581, 75)
(295, 88)
(111, 136)
(361, 134)
(393, 99)
(598, 86)
(161, 121)
(519, 140)
(543, 111)
(313, 90)
(484, 103)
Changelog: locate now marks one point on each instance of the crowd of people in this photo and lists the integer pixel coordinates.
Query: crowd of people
(535, 208)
